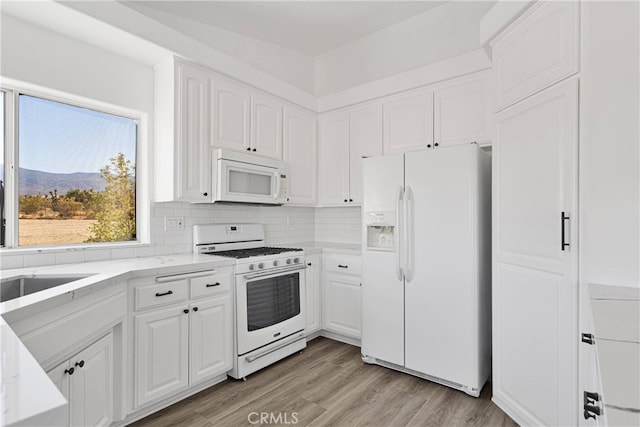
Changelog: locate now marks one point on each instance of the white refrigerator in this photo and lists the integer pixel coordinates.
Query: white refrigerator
(426, 253)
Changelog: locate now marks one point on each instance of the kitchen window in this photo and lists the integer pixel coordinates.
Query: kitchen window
(70, 176)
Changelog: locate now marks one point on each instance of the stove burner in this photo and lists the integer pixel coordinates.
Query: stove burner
(246, 253)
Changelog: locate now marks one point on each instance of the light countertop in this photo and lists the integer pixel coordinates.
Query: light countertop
(21, 377)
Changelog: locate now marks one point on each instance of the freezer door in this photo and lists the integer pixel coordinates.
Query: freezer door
(382, 284)
(441, 296)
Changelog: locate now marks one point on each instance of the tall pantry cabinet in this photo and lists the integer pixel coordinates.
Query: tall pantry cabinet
(535, 288)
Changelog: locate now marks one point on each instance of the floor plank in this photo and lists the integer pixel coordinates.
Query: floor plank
(329, 385)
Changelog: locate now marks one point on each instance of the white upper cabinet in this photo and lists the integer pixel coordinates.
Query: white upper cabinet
(231, 103)
(463, 112)
(365, 140)
(539, 49)
(333, 159)
(408, 123)
(266, 126)
(300, 153)
(182, 171)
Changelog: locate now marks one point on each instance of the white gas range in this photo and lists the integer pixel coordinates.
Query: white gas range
(269, 293)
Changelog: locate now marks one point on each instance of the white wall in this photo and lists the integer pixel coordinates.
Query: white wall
(438, 34)
(284, 64)
(609, 144)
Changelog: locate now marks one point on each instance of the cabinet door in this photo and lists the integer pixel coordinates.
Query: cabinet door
(540, 49)
(193, 171)
(463, 113)
(365, 140)
(314, 303)
(266, 126)
(161, 347)
(231, 116)
(300, 153)
(333, 160)
(210, 338)
(61, 378)
(534, 275)
(91, 391)
(342, 304)
(408, 123)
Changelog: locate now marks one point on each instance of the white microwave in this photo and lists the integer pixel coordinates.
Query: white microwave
(247, 178)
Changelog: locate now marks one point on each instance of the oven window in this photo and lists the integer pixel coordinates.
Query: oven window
(273, 300)
(244, 182)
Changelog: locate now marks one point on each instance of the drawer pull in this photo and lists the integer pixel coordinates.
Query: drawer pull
(80, 363)
(69, 371)
(211, 285)
(342, 266)
(161, 294)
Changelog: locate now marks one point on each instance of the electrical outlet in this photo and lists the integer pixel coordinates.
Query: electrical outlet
(173, 223)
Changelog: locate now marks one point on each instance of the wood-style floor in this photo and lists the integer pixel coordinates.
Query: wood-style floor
(329, 385)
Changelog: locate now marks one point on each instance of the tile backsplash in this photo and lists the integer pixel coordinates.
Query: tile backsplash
(283, 225)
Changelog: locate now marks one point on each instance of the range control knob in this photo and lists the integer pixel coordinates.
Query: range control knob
(252, 267)
(261, 265)
(275, 263)
(296, 260)
(289, 261)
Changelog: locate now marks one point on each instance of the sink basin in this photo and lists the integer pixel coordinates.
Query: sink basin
(16, 287)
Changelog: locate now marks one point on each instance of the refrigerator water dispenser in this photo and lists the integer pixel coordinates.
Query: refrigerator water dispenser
(380, 230)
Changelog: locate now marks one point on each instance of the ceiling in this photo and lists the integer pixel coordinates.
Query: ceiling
(309, 27)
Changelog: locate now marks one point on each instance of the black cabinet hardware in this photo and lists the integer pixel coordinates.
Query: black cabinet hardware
(436, 144)
(255, 149)
(195, 308)
(351, 200)
(588, 339)
(161, 294)
(563, 219)
(211, 285)
(248, 148)
(345, 200)
(428, 145)
(309, 264)
(80, 364)
(185, 311)
(205, 194)
(342, 266)
(591, 410)
(69, 371)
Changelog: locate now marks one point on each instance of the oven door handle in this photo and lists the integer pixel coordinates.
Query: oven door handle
(274, 271)
(296, 337)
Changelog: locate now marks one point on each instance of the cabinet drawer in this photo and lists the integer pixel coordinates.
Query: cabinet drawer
(343, 264)
(160, 294)
(210, 285)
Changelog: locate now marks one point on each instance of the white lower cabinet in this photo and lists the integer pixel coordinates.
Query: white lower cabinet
(184, 342)
(86, 381)
(313, 295)
(342, 295)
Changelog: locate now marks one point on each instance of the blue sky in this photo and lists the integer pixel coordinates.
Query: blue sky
(61, 138)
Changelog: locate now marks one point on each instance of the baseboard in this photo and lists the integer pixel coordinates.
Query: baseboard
(339, 337)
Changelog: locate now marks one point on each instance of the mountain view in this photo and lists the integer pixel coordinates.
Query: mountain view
(38, 182)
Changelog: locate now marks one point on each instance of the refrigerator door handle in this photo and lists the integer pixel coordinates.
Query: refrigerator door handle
(408, 237)
(399, 227)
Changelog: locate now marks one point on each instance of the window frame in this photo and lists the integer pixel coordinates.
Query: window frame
(13, 90)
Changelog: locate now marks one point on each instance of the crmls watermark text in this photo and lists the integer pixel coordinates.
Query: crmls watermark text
(273, 418)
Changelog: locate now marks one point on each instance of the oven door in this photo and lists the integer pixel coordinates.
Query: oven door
(270, 306)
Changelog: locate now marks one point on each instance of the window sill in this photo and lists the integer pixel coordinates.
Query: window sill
(71, 248)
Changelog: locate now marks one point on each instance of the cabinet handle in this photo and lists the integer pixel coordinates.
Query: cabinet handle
(351, 200)
(211, 285)
(255, 149)
(161, 294)
(588, 339)
(205, 194)
(195, 308)
(248, 148)
(345, 200)
(69, 371)
(309, 264)
(80, 363)
(185, 311)
(428, 145)
(436, 144)
(342, 266)
(563, 219)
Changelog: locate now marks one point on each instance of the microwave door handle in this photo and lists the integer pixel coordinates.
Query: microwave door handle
(276, 194)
